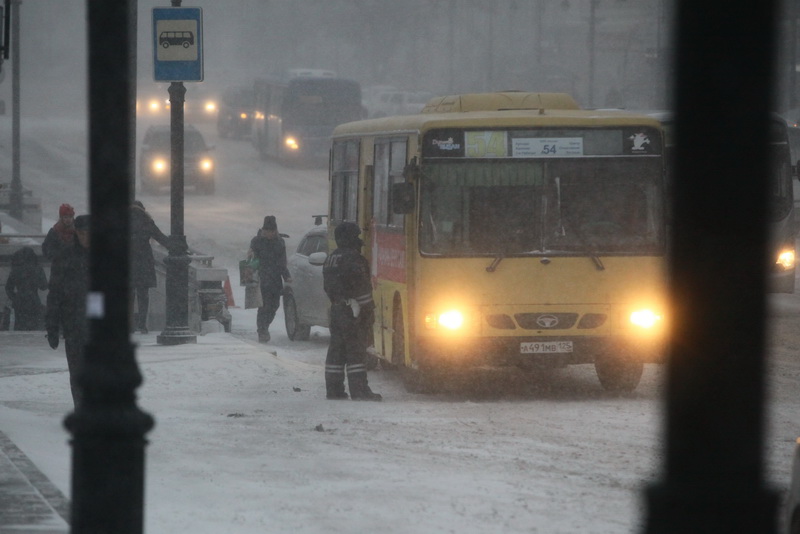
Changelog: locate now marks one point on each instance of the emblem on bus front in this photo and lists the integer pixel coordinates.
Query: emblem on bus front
(640, 142)
(547, 321)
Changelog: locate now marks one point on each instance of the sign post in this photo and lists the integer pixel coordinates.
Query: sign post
(178, 44)
(177, 57)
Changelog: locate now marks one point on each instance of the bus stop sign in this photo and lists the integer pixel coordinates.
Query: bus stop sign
(178, 44)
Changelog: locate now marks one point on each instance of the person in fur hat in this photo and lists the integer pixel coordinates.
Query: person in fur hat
(270, 250)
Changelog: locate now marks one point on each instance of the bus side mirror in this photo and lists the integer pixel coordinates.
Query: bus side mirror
(402, 198)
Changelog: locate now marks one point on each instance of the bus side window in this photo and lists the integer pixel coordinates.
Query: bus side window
(344, 182)
(390, 160)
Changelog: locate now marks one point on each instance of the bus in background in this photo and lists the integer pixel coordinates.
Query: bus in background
(295, 116)
(510, 229)
(783, 226)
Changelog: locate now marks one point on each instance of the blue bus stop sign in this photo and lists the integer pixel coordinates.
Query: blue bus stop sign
(178, 44)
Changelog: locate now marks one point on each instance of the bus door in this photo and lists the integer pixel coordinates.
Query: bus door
(387, 246)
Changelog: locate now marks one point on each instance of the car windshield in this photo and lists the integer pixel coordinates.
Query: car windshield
(572, 206)
(192, 141)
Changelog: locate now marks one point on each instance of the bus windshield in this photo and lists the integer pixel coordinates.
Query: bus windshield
(521, 207)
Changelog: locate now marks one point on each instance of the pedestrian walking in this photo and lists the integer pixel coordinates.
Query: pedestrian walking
(143, 264)
(62, 234)
(24, 282)
(347, 282)
(269, 249)
(66, 302)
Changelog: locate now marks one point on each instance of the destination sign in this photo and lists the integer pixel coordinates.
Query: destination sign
(541, 143)
(544, 147)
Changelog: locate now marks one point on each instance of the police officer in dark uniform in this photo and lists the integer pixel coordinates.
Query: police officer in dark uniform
(346, 278)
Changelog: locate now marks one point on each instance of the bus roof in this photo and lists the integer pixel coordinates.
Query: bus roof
(512, 100)
(530, 118)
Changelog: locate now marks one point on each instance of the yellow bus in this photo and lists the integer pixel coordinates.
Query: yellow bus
(509, 229)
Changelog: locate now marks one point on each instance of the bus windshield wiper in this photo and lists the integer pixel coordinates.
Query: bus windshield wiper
(598, 263)
(493, 267)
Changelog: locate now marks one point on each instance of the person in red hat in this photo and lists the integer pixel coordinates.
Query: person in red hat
(62, 234)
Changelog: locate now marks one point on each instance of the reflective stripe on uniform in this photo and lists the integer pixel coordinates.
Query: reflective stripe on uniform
(356, 368)
(366, 298)
(331, 369)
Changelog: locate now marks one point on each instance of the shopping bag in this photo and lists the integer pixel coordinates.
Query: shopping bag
(248, 272)
(252, 297)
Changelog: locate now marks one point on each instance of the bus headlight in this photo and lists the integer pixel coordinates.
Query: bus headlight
(291, 143)
(645, 318)
(786, 259)
(450, 319)
(159, 166)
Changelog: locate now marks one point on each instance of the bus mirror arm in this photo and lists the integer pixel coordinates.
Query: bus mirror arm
(402, 198)
(411, 170)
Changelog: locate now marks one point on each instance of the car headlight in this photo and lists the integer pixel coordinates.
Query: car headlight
(645, 318)
(291, 143)
(450, 320)
(154, 105)
(206, 165)
(211, 107)
(243, 116)
(159, 166)
(786, 259)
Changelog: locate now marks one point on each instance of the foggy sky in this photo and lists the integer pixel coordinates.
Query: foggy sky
(442, 46)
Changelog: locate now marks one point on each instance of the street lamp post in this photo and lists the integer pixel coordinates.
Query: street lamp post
(15, 196)
(590, 46)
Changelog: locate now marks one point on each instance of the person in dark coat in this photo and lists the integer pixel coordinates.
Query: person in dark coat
(24, 282)
(270, 250)
(62, 234)
(347, 282)
(66, 302)
(143, 265)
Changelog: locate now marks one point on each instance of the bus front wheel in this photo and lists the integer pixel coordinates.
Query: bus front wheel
(618, 373)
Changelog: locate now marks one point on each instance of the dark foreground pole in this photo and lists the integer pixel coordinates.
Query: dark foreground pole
(108, 428)
(713, 480)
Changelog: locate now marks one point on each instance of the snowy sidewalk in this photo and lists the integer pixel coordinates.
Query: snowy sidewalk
(35, 456)
(29, 502)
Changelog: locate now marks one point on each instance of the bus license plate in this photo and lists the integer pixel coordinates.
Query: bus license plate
(545, 347)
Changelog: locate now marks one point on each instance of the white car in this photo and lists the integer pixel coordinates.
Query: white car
(305, 303)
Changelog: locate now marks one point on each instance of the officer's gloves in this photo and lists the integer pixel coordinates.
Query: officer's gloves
(355, 306)
(52, 339)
